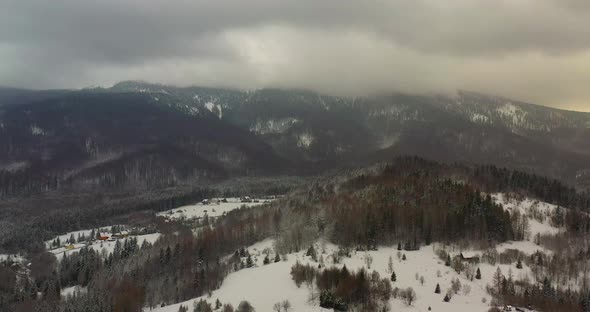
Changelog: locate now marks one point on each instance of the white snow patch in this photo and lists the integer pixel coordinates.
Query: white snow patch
(479, 118)
(70, 291)
(210, 106)
(538, 212)
(510, 110)
(215, 209)
(14, 166)
(273, 125)
(35, 130)
(305, 140)
(389, 141)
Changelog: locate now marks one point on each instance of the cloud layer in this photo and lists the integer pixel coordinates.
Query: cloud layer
(534, 50)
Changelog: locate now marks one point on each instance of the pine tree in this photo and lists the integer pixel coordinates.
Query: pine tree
(399, 246)
(478, 274)
(498, 280)
(277, 257)
(312, 253)
(217, 304)
(249, 262)
(437, 289)
(266, 260)
(404, 257)
(447, 298)
(448, 262)
(519, 264)
(393, 276)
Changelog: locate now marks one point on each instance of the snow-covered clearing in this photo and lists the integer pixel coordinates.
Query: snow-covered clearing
(12, 257)
(264, 285)
(211, 210)
(538, 212)
(70, 291)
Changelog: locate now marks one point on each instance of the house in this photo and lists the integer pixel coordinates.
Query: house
(469, 257)
(70, 247)
(121, 234)
(104, 236)
(246, 199)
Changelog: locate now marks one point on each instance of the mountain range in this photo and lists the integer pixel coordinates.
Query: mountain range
(141, 135)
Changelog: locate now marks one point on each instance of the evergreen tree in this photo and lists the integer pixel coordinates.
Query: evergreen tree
(437, 289)
(399, 246)
(249, 262)
(277, 257)
(266, 260)
(404, 257)
(312, 253)
(519, 264)
(448, 262)
(393, 276)
(447, 298)
(478, 274)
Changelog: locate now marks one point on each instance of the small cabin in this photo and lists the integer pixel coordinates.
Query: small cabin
(104, 236)
(70, 247)
(469, 257)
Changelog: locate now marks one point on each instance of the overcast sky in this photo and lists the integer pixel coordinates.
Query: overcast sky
(533, 50)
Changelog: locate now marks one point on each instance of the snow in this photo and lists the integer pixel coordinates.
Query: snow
(510, 110)
(211, 210)
(66, 236)
(13, 257)
(265, 285)
(537, 211)
(210, 106)
(389, 141)
(479, 118)
(103, 246)
(14, 166)
(273, 125)
(69, 291)
(305, 140)
(525, 246)
(36, 130)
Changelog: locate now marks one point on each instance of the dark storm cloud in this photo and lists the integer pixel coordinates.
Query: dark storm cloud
(537, 50)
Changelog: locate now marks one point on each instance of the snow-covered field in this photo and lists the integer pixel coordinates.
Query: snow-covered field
(211, 210)
(265, 285)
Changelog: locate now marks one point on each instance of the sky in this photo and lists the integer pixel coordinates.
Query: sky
(531, 50)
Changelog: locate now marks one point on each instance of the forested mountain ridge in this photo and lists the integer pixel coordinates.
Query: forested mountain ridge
(237, 132)
(468, 126)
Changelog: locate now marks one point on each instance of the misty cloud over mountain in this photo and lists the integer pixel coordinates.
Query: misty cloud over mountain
(536, 51)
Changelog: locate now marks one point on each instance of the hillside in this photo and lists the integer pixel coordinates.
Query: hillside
(485, 236)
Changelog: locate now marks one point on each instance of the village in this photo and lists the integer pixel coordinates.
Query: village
(151, 227)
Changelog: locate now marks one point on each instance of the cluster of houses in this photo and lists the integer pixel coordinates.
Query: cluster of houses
(243, 199)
